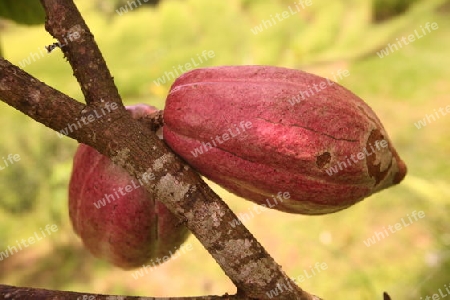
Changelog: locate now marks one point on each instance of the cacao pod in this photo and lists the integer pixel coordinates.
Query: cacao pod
(115, 216)
(260, 131)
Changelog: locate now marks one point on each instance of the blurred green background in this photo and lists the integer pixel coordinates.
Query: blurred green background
(327, 36)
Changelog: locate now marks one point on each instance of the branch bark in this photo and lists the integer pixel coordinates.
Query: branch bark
(137, 149)
(13, 293)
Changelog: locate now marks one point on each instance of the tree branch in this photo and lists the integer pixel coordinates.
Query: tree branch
(137, 149)
(65, 23)
(16, 293)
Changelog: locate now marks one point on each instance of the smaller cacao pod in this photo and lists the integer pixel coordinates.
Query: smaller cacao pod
(115, 216)
(260, 131)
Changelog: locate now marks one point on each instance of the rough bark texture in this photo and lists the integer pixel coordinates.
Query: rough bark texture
(137, 149)
(14, 293)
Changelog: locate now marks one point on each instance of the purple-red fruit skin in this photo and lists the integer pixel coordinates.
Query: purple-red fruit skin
(132, 228)
(289, 145)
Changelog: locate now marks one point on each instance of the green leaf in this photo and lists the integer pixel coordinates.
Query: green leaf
(28, 12)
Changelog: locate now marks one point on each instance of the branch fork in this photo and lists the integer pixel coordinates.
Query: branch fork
(133, 145)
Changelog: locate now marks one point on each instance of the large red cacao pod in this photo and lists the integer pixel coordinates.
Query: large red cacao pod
(130, 227)
(285, 130)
